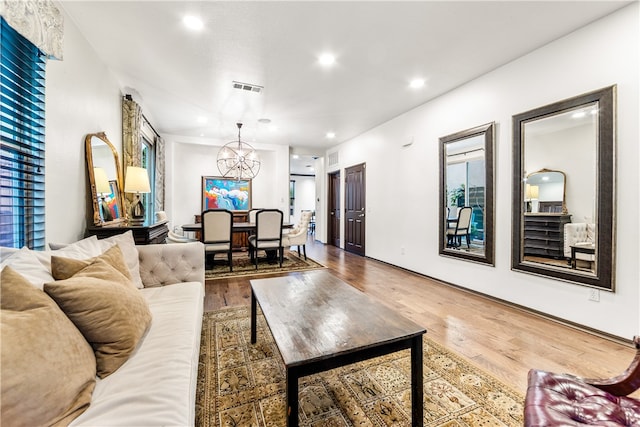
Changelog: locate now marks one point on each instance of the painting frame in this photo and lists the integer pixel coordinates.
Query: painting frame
(216, 189)
(110, 203)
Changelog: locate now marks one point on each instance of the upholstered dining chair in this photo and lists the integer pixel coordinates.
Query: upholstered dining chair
(252, 215)
(268, 235)
(173, 237)
(298, 235)
(217, 232)
(459, 228)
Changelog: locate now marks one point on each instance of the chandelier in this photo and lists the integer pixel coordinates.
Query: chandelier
(237, 159)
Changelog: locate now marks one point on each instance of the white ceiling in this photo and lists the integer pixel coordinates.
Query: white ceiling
(180, 75)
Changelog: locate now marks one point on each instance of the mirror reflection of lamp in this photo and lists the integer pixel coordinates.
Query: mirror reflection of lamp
(137, 181)
(102, 190)
(531, 197)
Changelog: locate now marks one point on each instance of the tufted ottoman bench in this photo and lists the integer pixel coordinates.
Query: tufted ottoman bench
(565, 400)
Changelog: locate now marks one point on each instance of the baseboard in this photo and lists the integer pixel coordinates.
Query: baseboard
(605, 335)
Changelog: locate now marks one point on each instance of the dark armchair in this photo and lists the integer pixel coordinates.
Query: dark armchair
(565, 400)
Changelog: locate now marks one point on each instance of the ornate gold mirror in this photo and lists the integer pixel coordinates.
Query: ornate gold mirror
(105, 180)
(563, 190)
(544, 192)
(466, 194)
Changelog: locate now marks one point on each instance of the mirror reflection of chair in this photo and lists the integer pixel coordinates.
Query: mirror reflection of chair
(252, 215)
(268, 235)
(217, 232)
(459, 228)
(298, 235)
(178, 238)
(580, 235)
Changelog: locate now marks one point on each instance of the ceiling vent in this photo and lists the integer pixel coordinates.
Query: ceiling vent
(333, 159)
(247, 86)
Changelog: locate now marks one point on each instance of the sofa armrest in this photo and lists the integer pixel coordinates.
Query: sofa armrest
(166, 264)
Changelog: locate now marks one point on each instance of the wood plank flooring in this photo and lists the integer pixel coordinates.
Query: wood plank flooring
(501, 339)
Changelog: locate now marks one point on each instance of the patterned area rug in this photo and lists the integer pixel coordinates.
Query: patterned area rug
(240, 384)
(242, 266)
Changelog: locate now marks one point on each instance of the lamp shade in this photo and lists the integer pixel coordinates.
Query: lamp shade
(531, 192)
(101, 181)
(136, 180)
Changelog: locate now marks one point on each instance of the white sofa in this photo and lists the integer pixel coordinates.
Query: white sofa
(156, 386)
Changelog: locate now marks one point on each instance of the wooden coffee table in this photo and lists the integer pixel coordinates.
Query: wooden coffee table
(320, 322)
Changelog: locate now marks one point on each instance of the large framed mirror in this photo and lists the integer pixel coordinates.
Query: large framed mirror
(466, 194)
(105, 180)
(563, 190)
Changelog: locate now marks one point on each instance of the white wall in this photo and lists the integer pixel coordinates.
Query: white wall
(82, 97)
(402, 183)
(189, 159)
(305, 195)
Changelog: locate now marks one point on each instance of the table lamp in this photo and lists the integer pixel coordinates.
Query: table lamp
(137, 181)
(102, 188)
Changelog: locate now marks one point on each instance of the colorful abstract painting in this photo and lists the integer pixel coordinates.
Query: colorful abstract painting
(223, 193)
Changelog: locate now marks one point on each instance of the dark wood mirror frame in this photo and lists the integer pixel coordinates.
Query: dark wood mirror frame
(488, 131)
(605, 199)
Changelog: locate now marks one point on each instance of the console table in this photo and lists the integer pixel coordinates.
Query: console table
(142, 234)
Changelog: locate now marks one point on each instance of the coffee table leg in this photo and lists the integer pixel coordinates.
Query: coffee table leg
(292, 398)
(417, 390)
(253, 317)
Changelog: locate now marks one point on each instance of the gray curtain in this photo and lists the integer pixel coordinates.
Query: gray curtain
(131, 128)
(38, 21)
(132, 120)
(159, 178)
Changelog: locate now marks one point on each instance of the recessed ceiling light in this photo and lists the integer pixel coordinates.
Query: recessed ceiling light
(202, 119)
(295, 156)
(416, 83)
(331, 135)
(193, 22)
(273, 128)
(326, 59)
(264, 121)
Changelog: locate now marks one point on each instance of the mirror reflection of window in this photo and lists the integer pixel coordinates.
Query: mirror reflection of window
(465, 182)
(466, 194)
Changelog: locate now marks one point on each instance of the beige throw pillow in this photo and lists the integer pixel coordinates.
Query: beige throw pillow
(128, 246)
(63, 268)
(48, 369)
(106, 307)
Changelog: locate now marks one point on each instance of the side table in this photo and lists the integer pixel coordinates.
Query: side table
(588, 248)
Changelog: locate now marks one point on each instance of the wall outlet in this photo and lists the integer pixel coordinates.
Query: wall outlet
(594, 295)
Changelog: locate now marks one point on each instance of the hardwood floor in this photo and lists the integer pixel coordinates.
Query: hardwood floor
(501, 339)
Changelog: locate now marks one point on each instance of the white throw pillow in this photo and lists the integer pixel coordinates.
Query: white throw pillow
(85, 248)
(30, 265)
(128, 247)
(6, 253)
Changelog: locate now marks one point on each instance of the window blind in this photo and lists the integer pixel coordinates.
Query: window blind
(22, 79)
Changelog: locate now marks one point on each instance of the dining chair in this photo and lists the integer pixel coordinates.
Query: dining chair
(268, 235)
(298, 235)
(460, 227)
(252, 215)
(217, 232)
